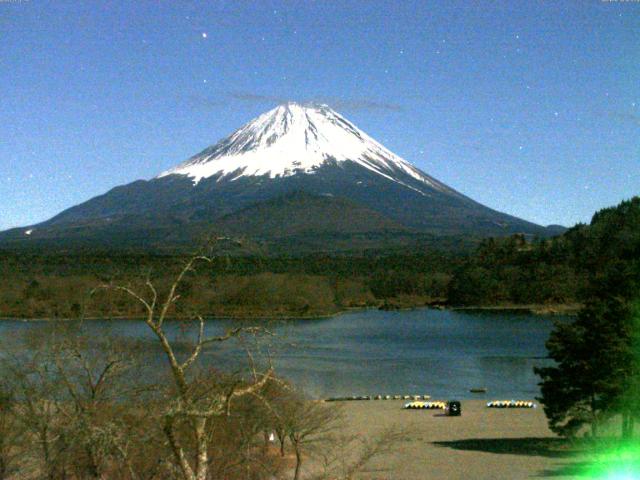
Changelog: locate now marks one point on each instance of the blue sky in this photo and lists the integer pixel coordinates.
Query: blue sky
(532, 108)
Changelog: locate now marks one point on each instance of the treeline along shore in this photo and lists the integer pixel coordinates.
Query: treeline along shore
(540, 275)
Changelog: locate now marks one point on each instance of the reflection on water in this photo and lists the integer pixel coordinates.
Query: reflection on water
(441, 353)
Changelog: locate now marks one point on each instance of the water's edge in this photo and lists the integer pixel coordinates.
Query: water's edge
(533, 309)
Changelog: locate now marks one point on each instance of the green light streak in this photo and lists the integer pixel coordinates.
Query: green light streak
(622, 463)
(621, 460)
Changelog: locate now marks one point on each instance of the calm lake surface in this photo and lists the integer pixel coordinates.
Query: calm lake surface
(440, 353)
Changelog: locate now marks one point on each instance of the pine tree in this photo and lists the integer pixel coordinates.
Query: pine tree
(597, 356)
(588, 375)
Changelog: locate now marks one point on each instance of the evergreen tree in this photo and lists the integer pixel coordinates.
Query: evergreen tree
(589, 372)
(597, 357)
(629, 400)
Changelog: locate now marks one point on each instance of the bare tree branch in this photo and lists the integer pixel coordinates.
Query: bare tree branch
(171, 296)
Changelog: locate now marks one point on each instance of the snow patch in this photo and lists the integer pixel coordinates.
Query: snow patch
(292, 139)
(28, 232)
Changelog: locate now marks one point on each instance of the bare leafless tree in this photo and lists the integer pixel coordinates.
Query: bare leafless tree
(11, 433)
(305, 423)
(95, 389)
(31, 380)
(191, 406)
(308, 425)
(72, 402)
(350, 455)
(315, 431)
(85, 408)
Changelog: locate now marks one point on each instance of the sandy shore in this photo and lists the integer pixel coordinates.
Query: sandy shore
(483, 443)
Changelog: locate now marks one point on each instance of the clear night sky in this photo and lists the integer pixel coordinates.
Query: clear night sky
(530, 107)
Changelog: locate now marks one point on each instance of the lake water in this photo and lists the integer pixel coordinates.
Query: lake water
(440, 353)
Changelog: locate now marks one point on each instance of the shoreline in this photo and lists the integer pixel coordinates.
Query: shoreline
(536, 309)
(533, 309)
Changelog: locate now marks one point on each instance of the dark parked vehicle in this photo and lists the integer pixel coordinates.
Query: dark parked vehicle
(453, 409)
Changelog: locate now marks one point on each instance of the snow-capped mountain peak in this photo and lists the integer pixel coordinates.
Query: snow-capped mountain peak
(295, 138)
(298, 174)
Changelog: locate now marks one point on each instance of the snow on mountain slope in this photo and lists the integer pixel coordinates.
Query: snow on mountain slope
(293, 170)
(294, 138)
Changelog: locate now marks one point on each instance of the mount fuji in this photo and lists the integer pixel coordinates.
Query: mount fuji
(293, 139)
(295, 172)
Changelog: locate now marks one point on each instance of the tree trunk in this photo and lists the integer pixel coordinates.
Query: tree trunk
(46, 454)
(4, 469)
(202, 466)
(281, 438)
(594, 418)
(296, 474)
(93, 468)
(183, 463)
(627, 425)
